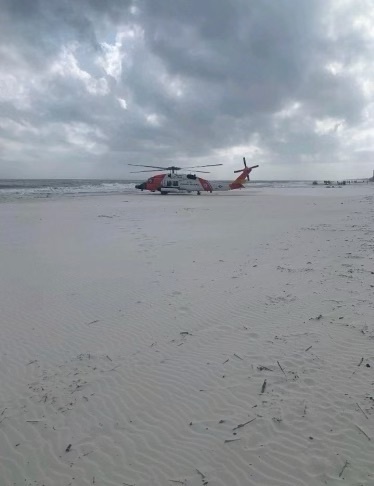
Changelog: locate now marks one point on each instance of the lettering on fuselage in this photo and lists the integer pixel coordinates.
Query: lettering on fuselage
(177, 182)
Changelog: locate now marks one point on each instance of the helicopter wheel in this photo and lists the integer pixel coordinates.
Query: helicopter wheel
(198, 193)
(163, 193)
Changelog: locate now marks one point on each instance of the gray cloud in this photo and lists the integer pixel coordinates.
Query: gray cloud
(87, 87)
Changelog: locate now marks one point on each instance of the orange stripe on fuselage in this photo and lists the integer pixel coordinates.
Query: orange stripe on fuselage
(154, 183)
(205, 184)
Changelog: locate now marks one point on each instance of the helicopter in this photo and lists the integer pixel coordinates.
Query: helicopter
(176, 183)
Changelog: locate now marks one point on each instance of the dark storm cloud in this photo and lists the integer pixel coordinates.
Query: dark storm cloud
(243, 42)
(246, 59)
(38, 28)
(98, 83)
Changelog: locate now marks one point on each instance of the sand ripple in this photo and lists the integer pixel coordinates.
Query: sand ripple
(194, 358)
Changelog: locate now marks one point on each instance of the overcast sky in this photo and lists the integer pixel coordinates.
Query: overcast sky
(88, 86)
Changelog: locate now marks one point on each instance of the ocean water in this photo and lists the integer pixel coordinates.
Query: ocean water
(14, 189)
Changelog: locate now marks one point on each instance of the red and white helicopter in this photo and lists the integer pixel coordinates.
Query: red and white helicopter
(172, 182)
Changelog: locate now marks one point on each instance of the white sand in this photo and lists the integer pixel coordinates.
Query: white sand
(97, 296)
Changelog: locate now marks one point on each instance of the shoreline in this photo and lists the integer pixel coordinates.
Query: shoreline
(77, 188)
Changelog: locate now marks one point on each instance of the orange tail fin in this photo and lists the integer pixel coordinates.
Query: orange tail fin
(238, 183)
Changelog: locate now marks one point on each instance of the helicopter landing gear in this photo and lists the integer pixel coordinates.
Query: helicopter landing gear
(198, 193)
(163, 193)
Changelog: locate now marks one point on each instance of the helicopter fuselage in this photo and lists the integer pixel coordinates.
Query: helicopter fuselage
(179, 183)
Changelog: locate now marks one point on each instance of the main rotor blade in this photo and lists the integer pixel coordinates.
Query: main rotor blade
(138, 171)
(153, 166)
(245, 164)
(195, 166)
(239, 170)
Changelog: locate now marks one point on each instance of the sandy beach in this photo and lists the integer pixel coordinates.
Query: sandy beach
(221, 340)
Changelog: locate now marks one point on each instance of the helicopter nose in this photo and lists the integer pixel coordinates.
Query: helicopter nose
(140, 186)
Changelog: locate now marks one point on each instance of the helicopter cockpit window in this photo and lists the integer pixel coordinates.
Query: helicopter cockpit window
(168, 183)
(191, 176)
(175, 183)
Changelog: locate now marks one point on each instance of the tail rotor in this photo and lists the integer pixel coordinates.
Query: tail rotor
(246, 170)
